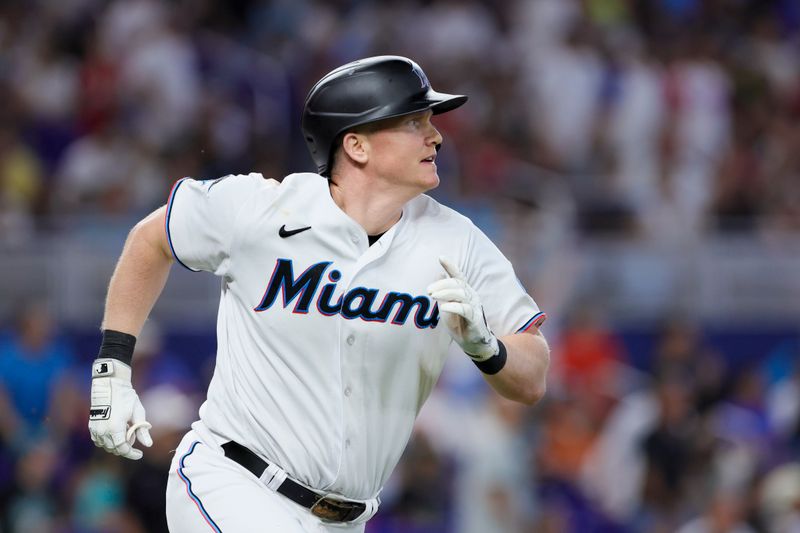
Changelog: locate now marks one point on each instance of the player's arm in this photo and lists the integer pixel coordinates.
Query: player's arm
(140, 275)
(116, 416)
(514, 365)
(523, 378)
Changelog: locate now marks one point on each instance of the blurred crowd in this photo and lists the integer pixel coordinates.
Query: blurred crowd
(662, 120)
(668, 436)
(52, 478)
(655, 118)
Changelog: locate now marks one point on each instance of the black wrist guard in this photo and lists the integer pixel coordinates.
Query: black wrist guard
(494, 364)
(117, 345)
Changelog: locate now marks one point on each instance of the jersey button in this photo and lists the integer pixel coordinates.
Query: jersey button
(347, 443)
(351, 340)
(354, 238)
(347, 391)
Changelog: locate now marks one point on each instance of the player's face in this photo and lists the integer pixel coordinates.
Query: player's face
(403, 151)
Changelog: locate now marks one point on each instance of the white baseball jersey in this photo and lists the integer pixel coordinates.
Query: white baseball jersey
(328, 347)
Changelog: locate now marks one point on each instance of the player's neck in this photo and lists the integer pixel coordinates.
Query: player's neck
(375, 208)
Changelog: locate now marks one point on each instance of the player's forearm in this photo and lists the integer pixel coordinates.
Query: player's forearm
(524, 377)
(139, 277)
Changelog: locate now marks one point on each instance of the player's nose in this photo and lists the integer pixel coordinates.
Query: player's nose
(434, 137)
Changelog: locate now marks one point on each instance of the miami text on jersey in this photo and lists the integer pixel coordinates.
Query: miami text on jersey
(356, 303)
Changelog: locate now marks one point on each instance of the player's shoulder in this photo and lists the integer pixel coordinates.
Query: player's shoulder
(251, 181)
(426, 210)
(303, 183)
(255, 184)
(299, 190)
(228, 184)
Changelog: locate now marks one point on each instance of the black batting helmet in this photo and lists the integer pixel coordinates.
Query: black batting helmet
(366, 91)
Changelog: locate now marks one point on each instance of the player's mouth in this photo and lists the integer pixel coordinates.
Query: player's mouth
(430, 159)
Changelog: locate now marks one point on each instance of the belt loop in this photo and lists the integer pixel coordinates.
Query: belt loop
(273, 476)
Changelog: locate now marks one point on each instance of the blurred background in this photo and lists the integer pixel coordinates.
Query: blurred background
(637, 160)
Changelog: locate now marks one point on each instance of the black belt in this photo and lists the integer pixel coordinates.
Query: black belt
(322, 506)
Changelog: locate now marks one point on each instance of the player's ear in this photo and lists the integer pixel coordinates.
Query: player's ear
(356, 147)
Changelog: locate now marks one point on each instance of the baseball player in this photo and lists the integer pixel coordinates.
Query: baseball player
(341, 292)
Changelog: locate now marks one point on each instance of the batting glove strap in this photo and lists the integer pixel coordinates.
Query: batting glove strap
(482, 345)
(494, 364)
(107, 368)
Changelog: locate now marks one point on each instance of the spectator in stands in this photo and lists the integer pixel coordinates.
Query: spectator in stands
(422, 500)
(34, 505)
(21, 184)
(677, 453)
(725, 512)
(35, 366)
(681, 352)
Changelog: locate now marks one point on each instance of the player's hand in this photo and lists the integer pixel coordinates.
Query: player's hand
(463, 313)
(114, 406)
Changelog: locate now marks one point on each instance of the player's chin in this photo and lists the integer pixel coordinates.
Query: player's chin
(429, 176)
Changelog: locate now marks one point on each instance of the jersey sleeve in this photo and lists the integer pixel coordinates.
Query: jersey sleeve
(202, 217)
(508, 307)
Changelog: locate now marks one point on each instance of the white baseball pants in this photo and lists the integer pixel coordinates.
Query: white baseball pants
(209, 493)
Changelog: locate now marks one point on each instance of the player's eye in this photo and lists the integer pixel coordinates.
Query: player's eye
(417, 121)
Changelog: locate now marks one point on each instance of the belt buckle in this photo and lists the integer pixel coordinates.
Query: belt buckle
(332, 509)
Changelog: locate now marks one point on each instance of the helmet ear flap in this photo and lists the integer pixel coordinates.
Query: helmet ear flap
(336, 148)
(362, 92)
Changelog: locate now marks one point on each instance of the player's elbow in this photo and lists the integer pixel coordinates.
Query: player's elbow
(533, 394)
(536, 383)
(526, 381)
(529, 392)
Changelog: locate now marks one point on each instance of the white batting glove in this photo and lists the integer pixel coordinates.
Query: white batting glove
(114, 405)
(463, 313)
